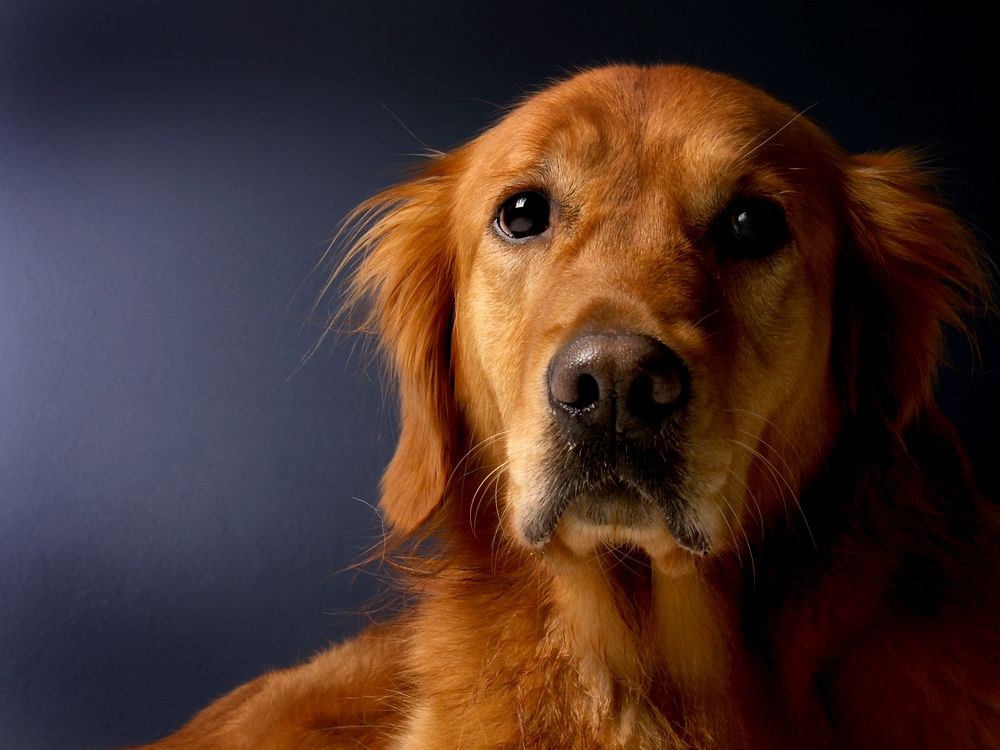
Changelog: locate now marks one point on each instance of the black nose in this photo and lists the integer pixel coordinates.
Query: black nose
(607, 384)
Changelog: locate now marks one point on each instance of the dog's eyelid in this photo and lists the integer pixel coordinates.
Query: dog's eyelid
(508, 192)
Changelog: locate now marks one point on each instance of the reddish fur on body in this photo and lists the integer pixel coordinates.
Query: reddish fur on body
(852, 599)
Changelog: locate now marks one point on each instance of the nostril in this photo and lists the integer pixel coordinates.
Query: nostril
(641, 394)
(660, 384)
(652, 395)
(588, 392)
(574, 389)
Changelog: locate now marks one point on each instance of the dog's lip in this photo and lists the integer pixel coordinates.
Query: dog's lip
(648, 519)
(539, 530)
(583, 538)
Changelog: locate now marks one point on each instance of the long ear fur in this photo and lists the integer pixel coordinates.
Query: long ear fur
(403, 284)
(914, 270)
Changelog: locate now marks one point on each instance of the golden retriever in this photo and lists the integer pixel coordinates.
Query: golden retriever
(670, 471)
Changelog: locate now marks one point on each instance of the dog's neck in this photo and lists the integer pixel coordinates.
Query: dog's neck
(626, 619)
(670, 641)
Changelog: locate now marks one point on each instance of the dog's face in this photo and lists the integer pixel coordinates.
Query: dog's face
(642, 304)
(643, 300)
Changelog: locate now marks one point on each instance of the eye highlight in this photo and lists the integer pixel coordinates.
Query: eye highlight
(523, 215)
(750, 227)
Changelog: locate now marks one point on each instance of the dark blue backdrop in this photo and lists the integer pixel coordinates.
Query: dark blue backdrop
(176, 496)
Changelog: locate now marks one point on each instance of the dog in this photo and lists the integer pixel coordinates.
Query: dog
(670, 471)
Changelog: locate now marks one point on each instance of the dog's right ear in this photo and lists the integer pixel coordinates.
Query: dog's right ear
(403, 284)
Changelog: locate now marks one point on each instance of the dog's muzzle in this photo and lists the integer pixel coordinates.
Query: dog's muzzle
(618, 402)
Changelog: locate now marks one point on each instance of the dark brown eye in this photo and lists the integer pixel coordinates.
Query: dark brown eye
(750, 228)
(523, 215)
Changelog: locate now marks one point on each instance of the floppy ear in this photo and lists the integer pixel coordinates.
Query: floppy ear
(403, 283)
(912, 271)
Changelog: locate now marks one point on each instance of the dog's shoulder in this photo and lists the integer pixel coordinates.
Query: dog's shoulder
(347, 696)
(876, 606)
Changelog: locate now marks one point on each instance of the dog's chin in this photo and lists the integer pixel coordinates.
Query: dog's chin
(583, 538)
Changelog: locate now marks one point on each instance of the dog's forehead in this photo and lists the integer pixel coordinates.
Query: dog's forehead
(667, 114)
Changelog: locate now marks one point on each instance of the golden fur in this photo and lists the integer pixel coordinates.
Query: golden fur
(845, 594)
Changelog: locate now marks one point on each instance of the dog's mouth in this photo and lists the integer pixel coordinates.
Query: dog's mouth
(631, 495)
(616, 515)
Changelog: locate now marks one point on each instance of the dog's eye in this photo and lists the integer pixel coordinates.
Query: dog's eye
(523, 215)
(751, 228)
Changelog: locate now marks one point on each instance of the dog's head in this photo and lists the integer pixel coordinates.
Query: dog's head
(646, 301)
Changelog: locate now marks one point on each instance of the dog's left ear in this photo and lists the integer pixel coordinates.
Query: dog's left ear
(403, 283)
(911, 269)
